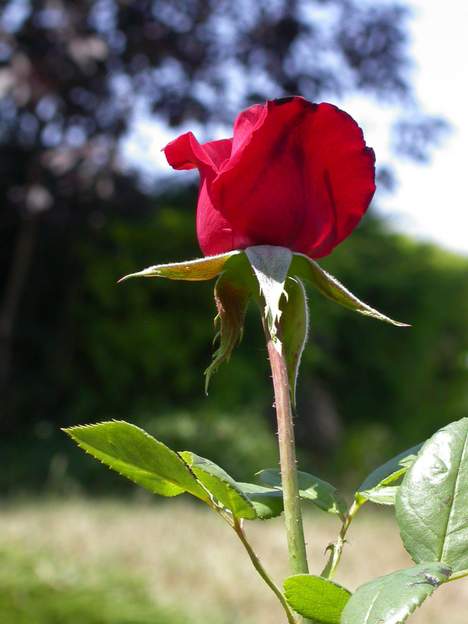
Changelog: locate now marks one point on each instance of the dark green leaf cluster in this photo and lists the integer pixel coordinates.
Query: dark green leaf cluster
(141, 458)
(322, 494)
(136, 455)
(428, 484)
(431, 511)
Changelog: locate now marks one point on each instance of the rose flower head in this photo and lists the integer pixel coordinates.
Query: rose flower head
(295, 175)
(290, 185)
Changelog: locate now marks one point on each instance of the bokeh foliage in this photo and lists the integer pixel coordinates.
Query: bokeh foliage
(137, 351)
(74, 74)
(75, 348)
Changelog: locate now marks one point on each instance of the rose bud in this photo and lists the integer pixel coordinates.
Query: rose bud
(295, 175)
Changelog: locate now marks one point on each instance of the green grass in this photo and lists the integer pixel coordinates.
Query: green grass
(136, 562)
(36, 589)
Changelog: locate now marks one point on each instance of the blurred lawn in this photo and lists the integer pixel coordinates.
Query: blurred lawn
(38, 589)
(96, 562)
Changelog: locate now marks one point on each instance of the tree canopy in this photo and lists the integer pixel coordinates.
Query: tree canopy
(72, 73)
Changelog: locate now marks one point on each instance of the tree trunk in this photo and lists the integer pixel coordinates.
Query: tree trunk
(14, 287)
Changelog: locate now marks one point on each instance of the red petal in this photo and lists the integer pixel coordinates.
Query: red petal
(185, 152)
(215, 233)
(219, 151)
(246, 123)
(342, 169)
(301, 178)
(295, 174)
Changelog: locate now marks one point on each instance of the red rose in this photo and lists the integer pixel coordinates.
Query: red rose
(295, 174)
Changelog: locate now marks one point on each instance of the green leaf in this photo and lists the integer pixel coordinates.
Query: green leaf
(136, 455)
(232, 292)
(321, 493)
(391, 599)
(307, 269)
(190, 270)
(267, 502)
(431, 505)
(221, 485)
(316, 598)
(381, 495)
(295, 326)
(270, 265)
(391, 471)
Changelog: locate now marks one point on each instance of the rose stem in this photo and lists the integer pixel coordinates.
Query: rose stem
(337, 548)
(261, 570)
(236, 524)
(287, 453)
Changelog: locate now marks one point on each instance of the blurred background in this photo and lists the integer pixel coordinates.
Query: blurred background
(89, 93)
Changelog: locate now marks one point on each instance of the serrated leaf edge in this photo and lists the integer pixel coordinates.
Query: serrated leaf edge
(81, 445)
(224, 481)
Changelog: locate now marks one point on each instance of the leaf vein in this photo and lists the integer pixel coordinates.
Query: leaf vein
(455, 492)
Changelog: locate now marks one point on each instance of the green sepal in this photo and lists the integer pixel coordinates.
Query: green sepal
(232, 292)
(294, 329)
(316, 598)
(220, 485)
(270, 265)
(308, 270)
(321, 493)
(393, 598)
(431, 504)
(197, 270)
(136, 455)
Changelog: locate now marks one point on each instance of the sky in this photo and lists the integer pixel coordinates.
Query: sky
(430, 201)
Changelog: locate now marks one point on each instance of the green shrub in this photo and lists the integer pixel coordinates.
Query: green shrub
(95, 351)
